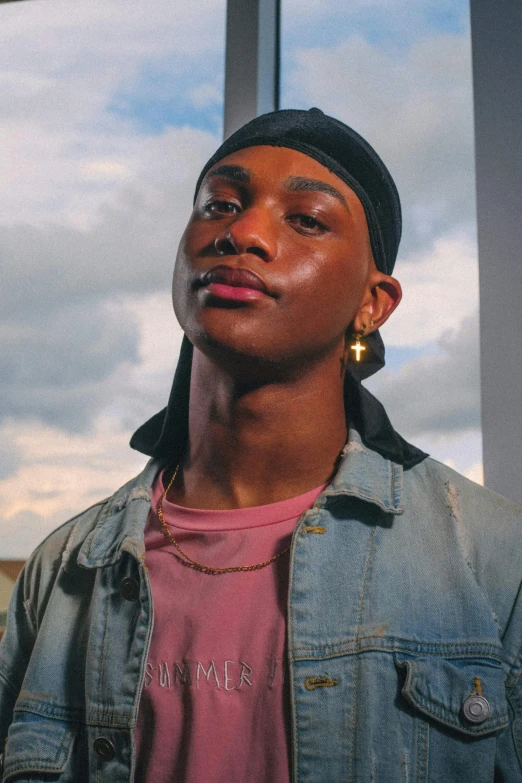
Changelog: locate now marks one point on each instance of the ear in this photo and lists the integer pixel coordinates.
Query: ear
(382, 295)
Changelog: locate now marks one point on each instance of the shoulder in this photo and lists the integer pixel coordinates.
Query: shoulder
(60, 549)
(484, 526)
(41, 568)
(481, 513)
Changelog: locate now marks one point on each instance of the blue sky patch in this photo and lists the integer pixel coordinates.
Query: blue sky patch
(389, 30)
(398, 357)
(172, 93)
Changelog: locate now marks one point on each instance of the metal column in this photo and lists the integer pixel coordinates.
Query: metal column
(251, 61)
(496, 27)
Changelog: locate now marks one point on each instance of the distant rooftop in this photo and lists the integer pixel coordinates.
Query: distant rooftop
(9, 570)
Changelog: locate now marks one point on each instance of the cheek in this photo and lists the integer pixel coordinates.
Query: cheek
(181, 277)
(327, 291)
(186, 245)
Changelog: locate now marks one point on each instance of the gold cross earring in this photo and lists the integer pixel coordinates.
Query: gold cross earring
(359, 347)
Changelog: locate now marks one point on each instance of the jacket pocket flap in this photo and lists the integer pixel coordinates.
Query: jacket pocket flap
(467, 695)
(37, 744)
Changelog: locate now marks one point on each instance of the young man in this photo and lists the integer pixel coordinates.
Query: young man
(289, 591)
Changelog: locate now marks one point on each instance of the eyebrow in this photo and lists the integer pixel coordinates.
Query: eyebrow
(239, 174)
(232, 173)
(303, 183)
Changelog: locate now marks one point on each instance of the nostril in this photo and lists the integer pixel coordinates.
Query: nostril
(258, 251)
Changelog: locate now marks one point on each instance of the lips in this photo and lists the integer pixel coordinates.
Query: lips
(234, 277)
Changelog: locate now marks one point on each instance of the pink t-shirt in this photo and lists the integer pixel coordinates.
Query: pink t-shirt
(215, 702)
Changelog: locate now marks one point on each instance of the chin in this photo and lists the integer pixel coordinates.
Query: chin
(242, 356)
(232, 331)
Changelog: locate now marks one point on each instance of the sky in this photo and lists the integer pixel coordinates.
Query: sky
(108, 110)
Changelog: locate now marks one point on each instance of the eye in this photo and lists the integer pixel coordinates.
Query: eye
(220, 207)
(307, 224)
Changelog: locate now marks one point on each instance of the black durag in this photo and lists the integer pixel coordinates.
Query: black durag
(347, 155)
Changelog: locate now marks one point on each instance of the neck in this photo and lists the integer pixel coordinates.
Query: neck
(254, 444)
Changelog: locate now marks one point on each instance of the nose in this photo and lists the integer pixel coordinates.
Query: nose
(251, 231)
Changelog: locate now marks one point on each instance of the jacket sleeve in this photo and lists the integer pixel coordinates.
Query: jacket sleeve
(15, 651)
(28, 601)
(508, 766)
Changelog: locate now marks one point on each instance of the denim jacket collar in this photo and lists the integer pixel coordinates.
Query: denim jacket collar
(366, 474)
(121, 523)
(362, 473)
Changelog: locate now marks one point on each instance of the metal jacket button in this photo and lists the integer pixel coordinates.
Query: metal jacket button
(476, 709)
(129, 589)
(104, 748)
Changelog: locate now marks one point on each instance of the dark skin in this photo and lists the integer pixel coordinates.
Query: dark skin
(267, 418)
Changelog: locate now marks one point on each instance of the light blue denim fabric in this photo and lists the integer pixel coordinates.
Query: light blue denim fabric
(404, 594)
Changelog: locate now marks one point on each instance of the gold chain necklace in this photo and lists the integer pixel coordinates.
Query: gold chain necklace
(188, 561)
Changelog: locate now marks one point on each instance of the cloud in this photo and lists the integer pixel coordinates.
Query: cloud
(146, 388)
(476, 473)
(206, 94)
(59, 367)
(314, 23)
(60, 476)
(414, 105)
(115, 359)
(10, 459)
(49, 472)
(436, 394)
(129, 243)
(104, 170)
(440, 290)
(64, 66)
(389, 9)
(66, 340)
(89, 232)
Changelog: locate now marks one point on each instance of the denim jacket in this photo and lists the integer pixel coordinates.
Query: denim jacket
(404, 634)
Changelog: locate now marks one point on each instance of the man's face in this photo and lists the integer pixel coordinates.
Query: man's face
(275, 259)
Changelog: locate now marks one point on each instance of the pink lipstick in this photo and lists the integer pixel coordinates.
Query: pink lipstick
(238, 293)
(234, 283)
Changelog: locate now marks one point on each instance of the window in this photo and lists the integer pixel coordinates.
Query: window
(399, 72)
(108, 111)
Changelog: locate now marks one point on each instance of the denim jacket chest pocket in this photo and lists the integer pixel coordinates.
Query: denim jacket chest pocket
(467, 696)
(444, 726)
(42, 748)
(463, 707)
(39, 748)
